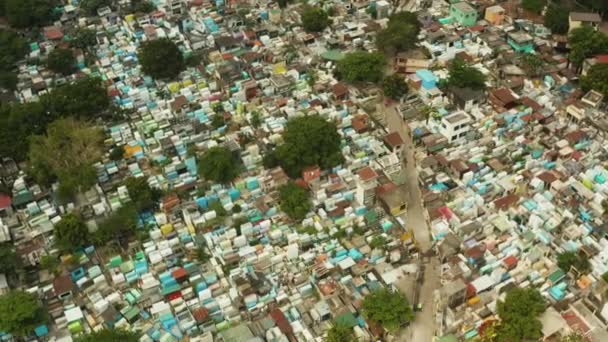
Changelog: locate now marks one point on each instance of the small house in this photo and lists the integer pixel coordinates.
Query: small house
(503, 98)
(521, 41)
(63, 286)
(428, 79)
(394, 142)
(466, 98)
(394, 201)
(578, 19)
(495, 15)
(463, 13)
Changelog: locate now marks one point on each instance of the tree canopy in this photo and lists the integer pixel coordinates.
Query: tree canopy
(314, 19)
(86, 98)
(28, 13)
(556, 19)
(8, 259)
(463, 75)
(219, 164)
(585, 42)
(161, 58)
(90, 7)
(532, 64)
(340, 333)
(71, 232)
(20, 313)
(13, 49)
(84, 38)
(119, 226)
(294, 201)
(142, 195)
(596, 79)
(401, 33)
(567, 260)
(67, 153)
(519, 315)
(62, 61)
(141, 6)
(575, 336)
(109, 335)
(361, 67)
(388, 308)
(308, 141)
(394, 86)
(535, 6)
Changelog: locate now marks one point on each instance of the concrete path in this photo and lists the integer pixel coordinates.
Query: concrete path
(424, 326)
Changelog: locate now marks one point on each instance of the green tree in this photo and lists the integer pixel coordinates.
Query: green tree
(202, 255)
(585, 42)
(533, 65)
(463, 75)
(556, 19)
(20, 313)
(8, 80)
(394, 86)
(361, 67)
(142, 195)
(294, 201)
(8, 259)
(90, 7)
(49, 263)
(519, 315)
(283, 3)
(17, 122)
(219, 164)
(28, 13)
(13, 49)
(308, 141)
(161, 58)
(117, 153)
(218, 121)
(255, 119)
(340, 333)
(85, 98)
(567, 260)
(535, 6)
(314, 19)
(71, 233)
(119, 226)
(596, 79)
(142, 6)
(109, 335)
(378, 242)
(62, 61)
(388, 308)
(575, 336)
(599, 6)
(401, 33)
(67, 153)
(84, 38)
